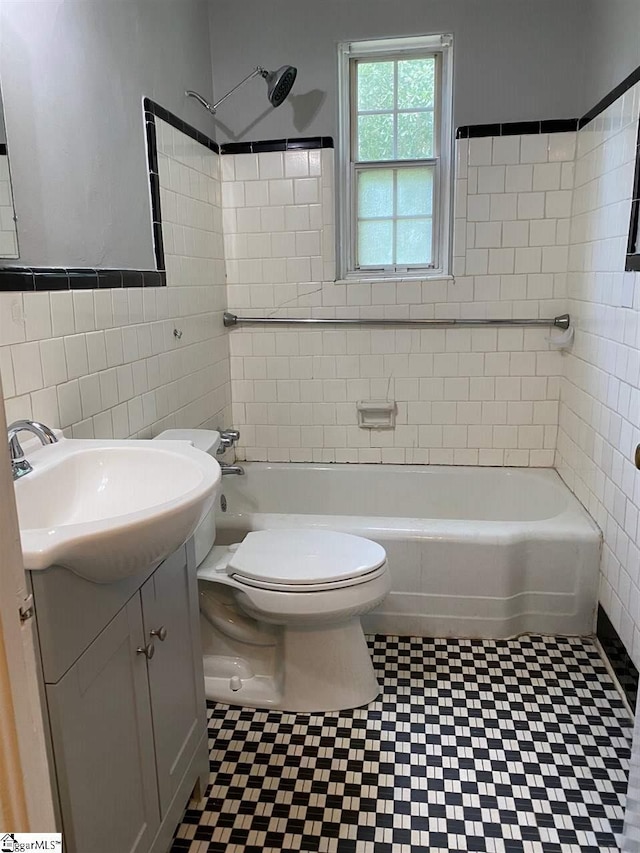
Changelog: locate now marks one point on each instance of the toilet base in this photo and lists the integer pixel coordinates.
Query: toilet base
(257, 691)
(328, 668)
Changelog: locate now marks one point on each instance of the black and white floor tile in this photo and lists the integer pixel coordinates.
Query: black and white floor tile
(514, 746)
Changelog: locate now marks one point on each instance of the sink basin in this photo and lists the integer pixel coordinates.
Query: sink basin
(110, 509)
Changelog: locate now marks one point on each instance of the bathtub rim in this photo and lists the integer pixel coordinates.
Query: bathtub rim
(570, 523)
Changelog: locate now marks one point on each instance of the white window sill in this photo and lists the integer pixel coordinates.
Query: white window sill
(396, 279)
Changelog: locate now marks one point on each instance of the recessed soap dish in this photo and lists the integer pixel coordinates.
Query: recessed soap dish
(376, 414)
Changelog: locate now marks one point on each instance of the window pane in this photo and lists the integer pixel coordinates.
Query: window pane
(415, 191)
(415, 135)
(375, 85)
(375, 243)
(375, 193)
(414, 241)
(416, 83)
(375, 137)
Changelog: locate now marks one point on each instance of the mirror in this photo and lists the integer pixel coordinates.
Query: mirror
(8, 231)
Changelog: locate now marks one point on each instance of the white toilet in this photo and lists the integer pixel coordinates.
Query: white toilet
(280, 613)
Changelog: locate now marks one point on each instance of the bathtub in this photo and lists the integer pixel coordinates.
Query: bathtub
(473, 552)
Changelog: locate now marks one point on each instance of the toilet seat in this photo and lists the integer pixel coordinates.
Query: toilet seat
(311, 587)
(304, 560)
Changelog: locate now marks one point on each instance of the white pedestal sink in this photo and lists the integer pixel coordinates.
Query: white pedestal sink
(110, 509)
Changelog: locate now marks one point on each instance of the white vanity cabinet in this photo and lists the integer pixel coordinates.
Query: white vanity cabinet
(126, 707)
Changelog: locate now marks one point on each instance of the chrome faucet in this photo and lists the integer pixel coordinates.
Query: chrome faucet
(231, 469)
(228, 438)
(19, 465)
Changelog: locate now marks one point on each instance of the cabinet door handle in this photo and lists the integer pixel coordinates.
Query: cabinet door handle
(148, 651)
(161, 633)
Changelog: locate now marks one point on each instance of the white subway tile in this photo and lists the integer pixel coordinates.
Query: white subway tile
(306, 190)
(84, 310)
(296, 164)
(256, 193)
(44, 407)
(37, 315)
(534, 148)
(506, 150)
(69, 405)
(27, 368)
(503, 206)
(532, 205)
(558, 204)
(480, 151)
(519, 178)
(491, 179)
(488, 235)
(562, 146)
(90, 398)
(281, 191)
(246, 167)
(62, 318)
(478, 208)
(501, 261)
(546, 176)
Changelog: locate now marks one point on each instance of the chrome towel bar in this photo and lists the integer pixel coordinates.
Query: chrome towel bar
(561, 322)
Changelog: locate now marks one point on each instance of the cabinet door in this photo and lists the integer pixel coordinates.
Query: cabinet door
(103, 743)
(176, 679)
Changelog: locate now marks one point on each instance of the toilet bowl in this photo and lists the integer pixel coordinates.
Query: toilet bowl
(280, 613)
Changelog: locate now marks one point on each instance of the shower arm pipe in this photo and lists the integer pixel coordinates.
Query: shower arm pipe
(258, 71)
(563, 321)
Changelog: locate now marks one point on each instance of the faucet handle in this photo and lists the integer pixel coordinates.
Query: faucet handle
(232, 434)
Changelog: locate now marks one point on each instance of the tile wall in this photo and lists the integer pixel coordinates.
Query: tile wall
(8, 238)
(600, 391)
(528, 243)
(464, 396)
(106, 363)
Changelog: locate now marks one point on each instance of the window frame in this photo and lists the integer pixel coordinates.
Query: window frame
(349, 53)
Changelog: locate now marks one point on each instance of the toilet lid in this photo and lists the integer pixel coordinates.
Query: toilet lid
(298, 557)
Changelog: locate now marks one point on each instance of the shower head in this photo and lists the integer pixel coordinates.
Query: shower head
(278, 82)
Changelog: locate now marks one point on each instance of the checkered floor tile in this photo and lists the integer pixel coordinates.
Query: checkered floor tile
(517, 746)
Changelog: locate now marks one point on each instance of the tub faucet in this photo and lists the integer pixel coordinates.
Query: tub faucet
(19, 465)
(228, 438)
(231, 469)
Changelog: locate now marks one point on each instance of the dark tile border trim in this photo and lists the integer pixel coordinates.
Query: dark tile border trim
(38, 279)
(618, 657)
(611, 97)
(264, 145)
(517, 128)
(3, 148)
(152, 110)
(632, 262)
(155, 109)
(475, 131)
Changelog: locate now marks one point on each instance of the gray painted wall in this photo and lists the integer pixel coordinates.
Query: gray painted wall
(514, 59)
(613, 47)
(73, 76)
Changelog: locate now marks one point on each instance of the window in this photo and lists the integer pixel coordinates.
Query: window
(395, 154)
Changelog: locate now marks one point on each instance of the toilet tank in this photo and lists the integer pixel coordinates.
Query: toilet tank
(207, 440)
